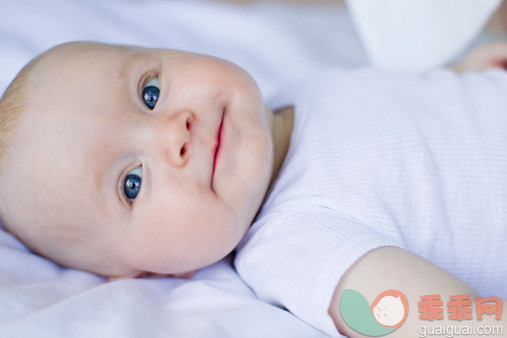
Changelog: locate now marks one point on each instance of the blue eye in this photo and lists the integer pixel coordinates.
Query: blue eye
(150, 93)
(132, 183)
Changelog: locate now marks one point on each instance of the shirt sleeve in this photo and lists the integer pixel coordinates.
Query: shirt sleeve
(295, 259)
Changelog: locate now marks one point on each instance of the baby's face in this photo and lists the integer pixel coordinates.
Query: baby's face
(165, 154)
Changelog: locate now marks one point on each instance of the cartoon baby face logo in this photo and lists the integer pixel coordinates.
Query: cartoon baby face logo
(390, 308)
(387, 312)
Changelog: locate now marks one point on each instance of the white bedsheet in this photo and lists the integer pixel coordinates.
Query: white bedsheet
(276, 44)
(40, 299)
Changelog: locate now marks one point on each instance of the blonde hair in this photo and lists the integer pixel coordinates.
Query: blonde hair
(12, 105)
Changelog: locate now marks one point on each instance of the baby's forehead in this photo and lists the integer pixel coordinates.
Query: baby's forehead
(67, 80)
(71, 59)
(54, 146)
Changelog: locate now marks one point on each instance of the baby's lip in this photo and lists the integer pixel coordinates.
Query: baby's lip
(217, 146)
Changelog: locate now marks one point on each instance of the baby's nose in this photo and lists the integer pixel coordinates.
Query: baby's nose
(177, 138)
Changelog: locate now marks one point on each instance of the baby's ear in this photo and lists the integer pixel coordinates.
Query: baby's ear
(134, 275)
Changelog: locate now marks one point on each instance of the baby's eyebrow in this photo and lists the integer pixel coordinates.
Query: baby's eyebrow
(105, 171)
(126, 66)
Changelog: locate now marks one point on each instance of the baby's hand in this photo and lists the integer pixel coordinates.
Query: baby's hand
(488, 56)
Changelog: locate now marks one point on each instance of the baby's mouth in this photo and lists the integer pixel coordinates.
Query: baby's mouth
(217, 147)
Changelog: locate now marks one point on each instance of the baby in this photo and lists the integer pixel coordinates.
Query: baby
(126, 162)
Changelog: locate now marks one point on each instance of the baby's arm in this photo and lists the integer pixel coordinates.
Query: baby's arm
(485, 57)
(393, 268)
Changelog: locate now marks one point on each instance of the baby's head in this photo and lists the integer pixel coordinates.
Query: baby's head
(111, 161)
